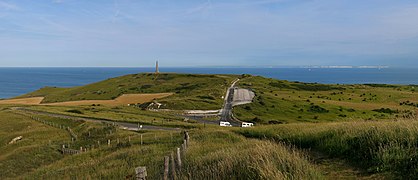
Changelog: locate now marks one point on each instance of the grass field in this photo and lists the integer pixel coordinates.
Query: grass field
(122, 114)
(276, 101)
(221, 154)
(272, 151)
(279, 102)
(357, 131)
(36, 156)
(190, 91)
(378, 147)
(125, 99)
(122, 100)
(22, 101)
(33, 151)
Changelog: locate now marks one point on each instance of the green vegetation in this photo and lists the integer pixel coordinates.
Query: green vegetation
(278, 102)
(389, 146)
(345, 122)
(191, 91)
(122, 114)
(217, 154)
(32, 151)
(37, 155)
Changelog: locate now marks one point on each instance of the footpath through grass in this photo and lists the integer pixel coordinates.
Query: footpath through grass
(222, 154)
(378, 147)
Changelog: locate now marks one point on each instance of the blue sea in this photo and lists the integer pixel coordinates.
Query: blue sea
(18, 81)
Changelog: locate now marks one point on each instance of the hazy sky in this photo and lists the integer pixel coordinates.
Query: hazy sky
(208, 33)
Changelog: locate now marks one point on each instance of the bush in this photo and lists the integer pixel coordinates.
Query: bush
(74, 111)
(386, 110)
(317, 109)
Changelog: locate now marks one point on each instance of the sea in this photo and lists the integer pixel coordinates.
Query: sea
(18, 81)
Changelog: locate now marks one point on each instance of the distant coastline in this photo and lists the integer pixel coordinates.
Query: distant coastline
(17, 81)
(347, 67)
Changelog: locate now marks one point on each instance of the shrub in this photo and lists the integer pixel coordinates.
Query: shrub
(74, 111)
(317, 109)
(386, 110)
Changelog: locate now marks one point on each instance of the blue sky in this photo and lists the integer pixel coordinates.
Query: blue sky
(208, 32)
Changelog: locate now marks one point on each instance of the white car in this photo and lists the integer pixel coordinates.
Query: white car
(225, 124)
(245, 124)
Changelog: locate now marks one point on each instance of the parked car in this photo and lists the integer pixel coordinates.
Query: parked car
(225, 124)
(245, 124)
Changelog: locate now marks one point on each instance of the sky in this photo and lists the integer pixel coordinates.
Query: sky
(200, 33)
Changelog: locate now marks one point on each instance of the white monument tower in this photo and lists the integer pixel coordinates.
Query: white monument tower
(157, 71)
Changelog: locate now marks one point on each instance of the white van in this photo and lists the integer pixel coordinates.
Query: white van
(245, 124)
(225, 124)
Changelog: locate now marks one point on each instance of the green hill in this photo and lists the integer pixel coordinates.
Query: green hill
(276, 101)
(302, 150)
(280, 101)
(192, 91)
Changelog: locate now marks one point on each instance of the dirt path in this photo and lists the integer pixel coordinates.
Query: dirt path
(335, 168)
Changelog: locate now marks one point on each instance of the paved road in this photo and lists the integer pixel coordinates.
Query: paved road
(123, 125)
(226, 112)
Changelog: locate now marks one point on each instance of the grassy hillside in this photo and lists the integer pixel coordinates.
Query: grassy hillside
(37, 155)
(212, 152)
(191, 91)
(262, 152)
(122, 114)
(32, 152)
(221, 154)
(279, 101)
(386, 146)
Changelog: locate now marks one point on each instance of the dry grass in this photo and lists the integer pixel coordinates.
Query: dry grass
(223, 155)
(23, 101)
(121, 100)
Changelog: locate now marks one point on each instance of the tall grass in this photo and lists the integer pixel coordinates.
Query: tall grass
(221, 155)
(37, 155)
(389, 146)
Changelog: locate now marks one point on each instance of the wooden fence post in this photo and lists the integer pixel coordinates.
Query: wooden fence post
(178, 158)
(173, 167)
(186, 136)
(166, 165)
(141, 172)
(141, 139)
